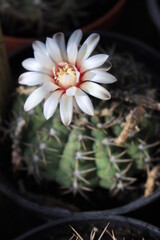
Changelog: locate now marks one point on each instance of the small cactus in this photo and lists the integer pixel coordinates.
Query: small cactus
(41, 17)
(108, 149)
(104, 234)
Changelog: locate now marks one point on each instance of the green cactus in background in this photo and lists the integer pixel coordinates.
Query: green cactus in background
(106, 150)
(42, 17)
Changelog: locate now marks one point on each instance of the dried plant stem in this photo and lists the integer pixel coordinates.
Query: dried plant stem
(26, 91)
(132, 120)
(151, 179)
(16, 152)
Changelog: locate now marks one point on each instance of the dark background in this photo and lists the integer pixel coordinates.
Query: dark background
(134, 22)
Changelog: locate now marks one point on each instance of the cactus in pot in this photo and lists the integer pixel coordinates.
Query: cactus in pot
(41, 17)
(108, 147)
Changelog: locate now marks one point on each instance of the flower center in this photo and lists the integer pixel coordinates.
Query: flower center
(66, 76)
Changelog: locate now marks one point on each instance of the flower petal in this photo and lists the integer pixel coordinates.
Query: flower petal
(72, 46)
(39, 46)
(71, 91)
(34, 78)
(93, 62)
(44, 60)
(105, 67)
(35, 98)
(59, 38)
(53, 49)
(84, 102)
(76, 107)
(99, 77)
(66, 109)
(89, 75)
(88, 47)
(51, 104)
(50, 86)
(32, 65)
(96, 90)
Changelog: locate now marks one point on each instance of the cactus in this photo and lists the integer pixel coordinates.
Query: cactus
(40, 17)
(104, 234)
(109, 149)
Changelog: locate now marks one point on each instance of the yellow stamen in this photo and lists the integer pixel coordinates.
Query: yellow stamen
(66, 70)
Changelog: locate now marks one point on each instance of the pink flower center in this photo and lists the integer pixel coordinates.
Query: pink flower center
(66, 76)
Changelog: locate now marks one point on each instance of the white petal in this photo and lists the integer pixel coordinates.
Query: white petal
(44, 60)
(105, 67)
(80, 55)
(39, 46)
(88, 47)
(50, 86)
(77, 74)
(71, 91)
(51, 104)
(66, 109)
(59, 37)
(88, 75)
(72, 46)
(76, 107)
(53, 49)
(34, 78)
(99, 77)
(93, 62)
(32, 65)
(95, 90)
(35, 98)
(84, 102)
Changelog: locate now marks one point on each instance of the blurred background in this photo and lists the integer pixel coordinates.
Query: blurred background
(137, 19)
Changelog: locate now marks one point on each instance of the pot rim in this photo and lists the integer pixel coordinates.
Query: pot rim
(154, 11)
(121, 219)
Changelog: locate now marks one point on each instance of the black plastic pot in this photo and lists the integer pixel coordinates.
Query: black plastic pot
(123, 228)
(141, 53)
(154, 11)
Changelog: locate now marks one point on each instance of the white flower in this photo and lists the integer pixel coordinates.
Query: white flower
(65, 75)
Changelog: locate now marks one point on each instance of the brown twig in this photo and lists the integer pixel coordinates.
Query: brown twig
(26, 91)
(151, 179)
(131, 123)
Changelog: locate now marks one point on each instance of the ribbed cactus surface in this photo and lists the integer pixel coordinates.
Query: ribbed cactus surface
(107, 150)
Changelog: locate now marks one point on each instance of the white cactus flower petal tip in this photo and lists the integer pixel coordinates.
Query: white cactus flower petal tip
(65, 75)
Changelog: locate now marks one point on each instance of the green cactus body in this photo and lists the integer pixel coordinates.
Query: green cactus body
(139, 149)
(46, 148)
(68, 159)
(73, 161)
(84, 155)
(105, 169)
(134, 152)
